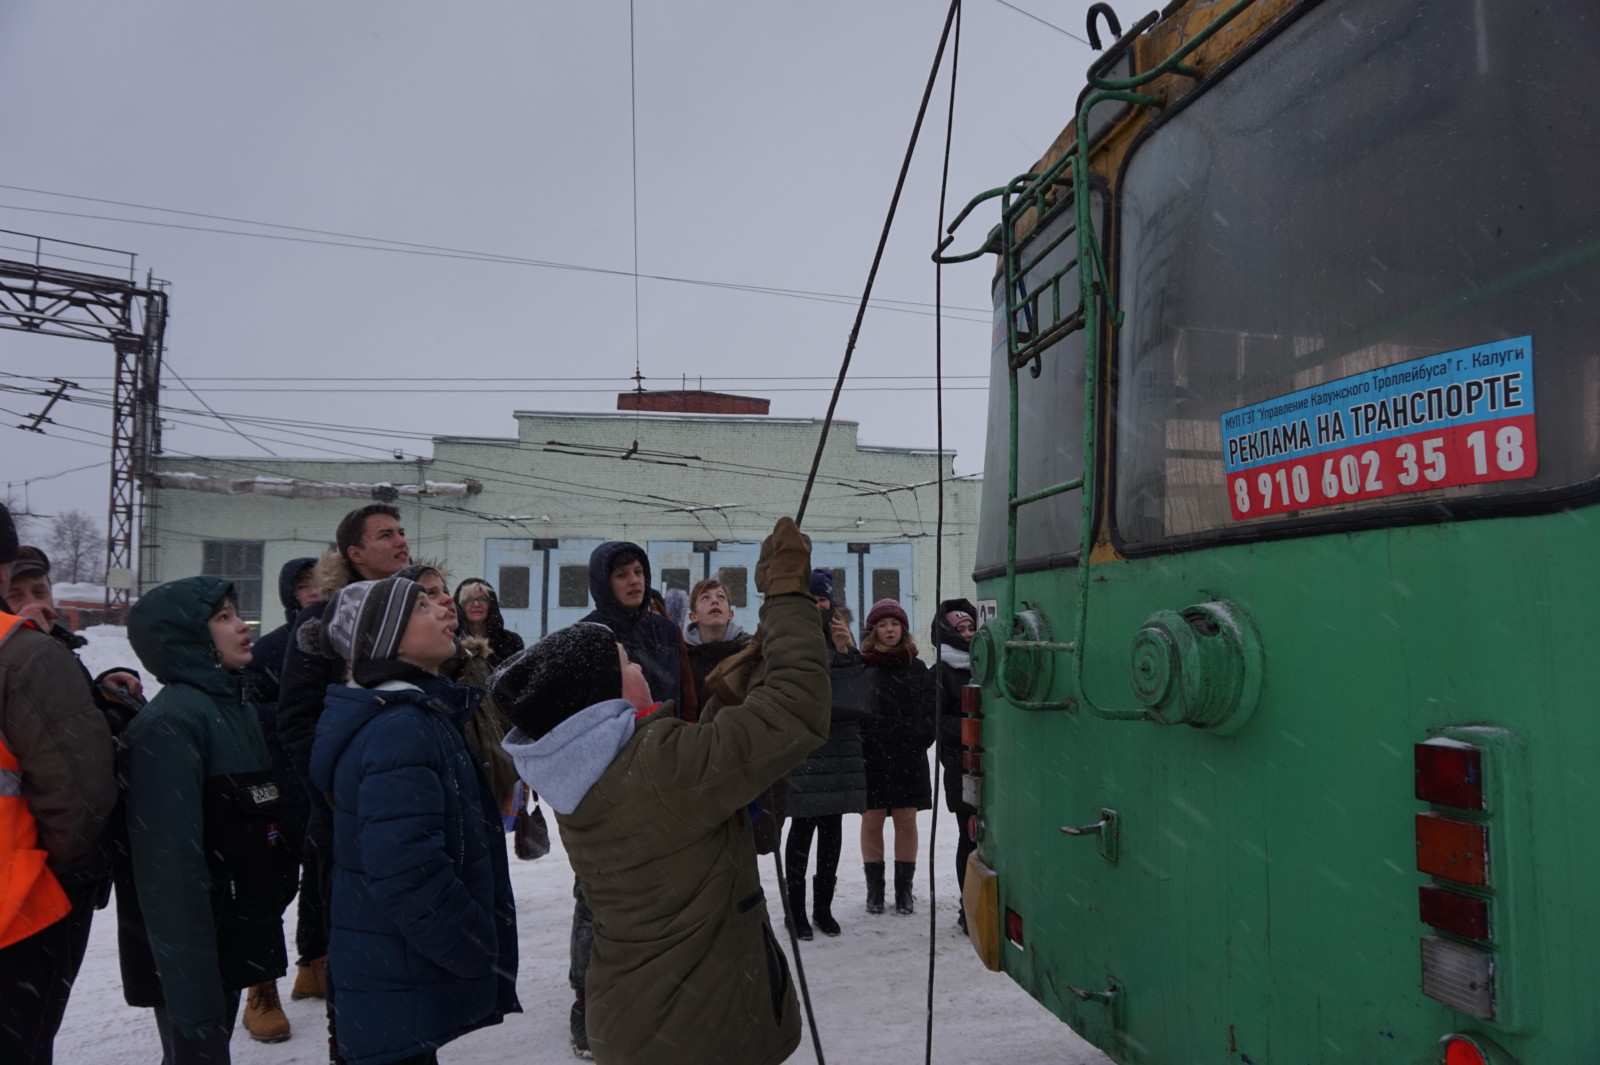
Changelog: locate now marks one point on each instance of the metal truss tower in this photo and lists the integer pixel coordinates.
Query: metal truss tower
(38, 295)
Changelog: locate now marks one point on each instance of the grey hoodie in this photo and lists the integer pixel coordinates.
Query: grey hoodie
(692, 635)
(563, 764)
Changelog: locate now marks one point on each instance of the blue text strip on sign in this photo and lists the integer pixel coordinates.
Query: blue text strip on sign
(1451, 403)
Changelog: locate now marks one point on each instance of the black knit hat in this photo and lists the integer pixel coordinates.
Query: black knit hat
(822, 584)
(567, 671)
(8, 536)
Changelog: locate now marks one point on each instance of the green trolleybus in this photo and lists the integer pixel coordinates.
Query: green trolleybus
(1285, 733)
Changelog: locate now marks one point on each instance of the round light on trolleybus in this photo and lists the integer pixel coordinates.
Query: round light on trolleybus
(1459, 1050)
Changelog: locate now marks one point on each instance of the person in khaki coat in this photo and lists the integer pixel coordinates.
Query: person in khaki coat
(654, 813)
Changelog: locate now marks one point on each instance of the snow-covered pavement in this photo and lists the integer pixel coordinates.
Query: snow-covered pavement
(869, 988)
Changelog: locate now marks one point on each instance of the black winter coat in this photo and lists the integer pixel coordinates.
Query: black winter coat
(651, 640)
(896, 734)
(303, 687)
(704, 657)
(263, 675)
(833, 778)
(951, 679)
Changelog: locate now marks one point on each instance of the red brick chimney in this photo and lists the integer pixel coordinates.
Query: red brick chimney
(692, 401)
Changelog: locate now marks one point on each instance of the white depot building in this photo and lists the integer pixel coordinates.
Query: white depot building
(695, 478)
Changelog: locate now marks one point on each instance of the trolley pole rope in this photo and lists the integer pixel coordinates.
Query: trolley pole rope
(877, 259)
(939, 707)
(822, 442)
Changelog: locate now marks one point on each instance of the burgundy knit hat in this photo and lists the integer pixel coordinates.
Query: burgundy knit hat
(887, 608)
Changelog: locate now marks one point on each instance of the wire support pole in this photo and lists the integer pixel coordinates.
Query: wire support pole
(877, 259)
(939, 667)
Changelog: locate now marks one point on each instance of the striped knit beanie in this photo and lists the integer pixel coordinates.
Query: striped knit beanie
(364, 622)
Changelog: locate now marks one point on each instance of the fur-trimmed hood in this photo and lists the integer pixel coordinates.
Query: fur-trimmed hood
(333, 572)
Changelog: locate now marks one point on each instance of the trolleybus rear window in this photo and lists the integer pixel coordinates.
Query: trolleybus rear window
(1049, 414)
(1361, 273)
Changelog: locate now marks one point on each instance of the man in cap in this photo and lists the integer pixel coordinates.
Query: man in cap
(56, 791)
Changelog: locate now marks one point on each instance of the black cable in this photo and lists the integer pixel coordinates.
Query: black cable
(877, 258)
(939, 667)
(430, 251)
(633, 158)
(217, 416)
(423, 247)
(458, 377)
(1041, 22)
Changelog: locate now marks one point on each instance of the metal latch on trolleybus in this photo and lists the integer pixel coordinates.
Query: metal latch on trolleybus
(1106, 829)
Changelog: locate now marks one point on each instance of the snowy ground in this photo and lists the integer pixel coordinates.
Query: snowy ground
(868, 987)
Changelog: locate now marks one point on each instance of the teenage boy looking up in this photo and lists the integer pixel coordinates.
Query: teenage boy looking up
(653, 813)
(619, 577)
(370, 544)
(713, 635)
(424, 944)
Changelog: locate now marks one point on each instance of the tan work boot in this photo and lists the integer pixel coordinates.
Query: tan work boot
(263, 1014)
(312, 980)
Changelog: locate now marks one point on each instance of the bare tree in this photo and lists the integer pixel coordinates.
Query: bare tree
(77, 549)
(19, 517)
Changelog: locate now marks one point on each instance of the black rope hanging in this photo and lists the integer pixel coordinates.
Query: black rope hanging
(939, 708)
(822, 442)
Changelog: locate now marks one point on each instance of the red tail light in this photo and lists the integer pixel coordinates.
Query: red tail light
(972, 700)
(1452, 911)
(1453, 850)
(972, 732)
(1014, 926)
(1450, 773)
(1461, 1051)
(972, 828)
(972, 761)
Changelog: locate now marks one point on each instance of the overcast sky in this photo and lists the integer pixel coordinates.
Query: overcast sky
(769, 137)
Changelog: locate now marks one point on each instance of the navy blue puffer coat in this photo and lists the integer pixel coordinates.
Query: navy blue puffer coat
(424, 942)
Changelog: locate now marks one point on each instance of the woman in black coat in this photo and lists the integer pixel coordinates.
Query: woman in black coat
(832, 781)
(895, 737)
(952, 634)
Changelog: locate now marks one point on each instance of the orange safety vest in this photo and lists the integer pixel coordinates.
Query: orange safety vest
(31, 898)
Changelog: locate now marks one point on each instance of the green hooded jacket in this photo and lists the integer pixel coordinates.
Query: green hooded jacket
(201, 813)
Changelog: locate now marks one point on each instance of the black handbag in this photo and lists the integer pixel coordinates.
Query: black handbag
(530, 837)
(852, 692)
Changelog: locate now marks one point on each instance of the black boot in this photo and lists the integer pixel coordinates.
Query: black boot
(822, 908)
(874, 886)
(579, 1023)
(905, 875)
(797, 902)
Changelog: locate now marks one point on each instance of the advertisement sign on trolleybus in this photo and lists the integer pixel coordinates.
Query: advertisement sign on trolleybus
(1460, 417)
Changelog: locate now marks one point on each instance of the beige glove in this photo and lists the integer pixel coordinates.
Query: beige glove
(785, 564)
(735, 675)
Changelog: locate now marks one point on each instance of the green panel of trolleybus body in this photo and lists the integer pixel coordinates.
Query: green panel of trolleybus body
(1300, 767)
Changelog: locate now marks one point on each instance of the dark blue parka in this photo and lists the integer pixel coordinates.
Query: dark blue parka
(423, 945)
(651, 640)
